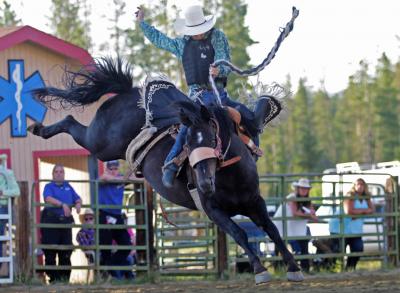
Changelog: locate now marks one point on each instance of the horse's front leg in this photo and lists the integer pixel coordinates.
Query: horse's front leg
(259, 215)
(222, 220)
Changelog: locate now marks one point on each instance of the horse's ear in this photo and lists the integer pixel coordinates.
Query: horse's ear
(185, 118)
(205, 114)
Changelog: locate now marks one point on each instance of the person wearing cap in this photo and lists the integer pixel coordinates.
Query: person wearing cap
(111, 192)
(299, 212)
(61, 196)
(8, 188)
(85, 236)
(200, 46)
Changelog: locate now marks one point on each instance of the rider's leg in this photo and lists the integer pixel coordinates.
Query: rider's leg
(170, 168)
(252, 120)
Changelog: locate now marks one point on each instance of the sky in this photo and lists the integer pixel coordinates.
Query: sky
(329, 39)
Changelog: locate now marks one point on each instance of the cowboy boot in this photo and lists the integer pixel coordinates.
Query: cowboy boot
(169, 173)
(266, 109)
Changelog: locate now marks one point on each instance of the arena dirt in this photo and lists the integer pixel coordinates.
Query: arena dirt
(357, 282)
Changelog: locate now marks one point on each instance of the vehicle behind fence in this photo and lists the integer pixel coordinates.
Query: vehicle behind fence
(380, 229)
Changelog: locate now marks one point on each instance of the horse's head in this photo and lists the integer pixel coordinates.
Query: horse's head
(203, 144)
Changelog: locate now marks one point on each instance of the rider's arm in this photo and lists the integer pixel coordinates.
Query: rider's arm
(162, 41)
(222, 51)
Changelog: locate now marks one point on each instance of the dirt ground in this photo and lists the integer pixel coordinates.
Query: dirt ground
(366, 281)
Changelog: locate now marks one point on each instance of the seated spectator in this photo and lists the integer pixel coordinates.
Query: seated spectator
(300, 212)
(85, 236)
(357, 202)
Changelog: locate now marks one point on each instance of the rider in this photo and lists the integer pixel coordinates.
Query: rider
(200, 46)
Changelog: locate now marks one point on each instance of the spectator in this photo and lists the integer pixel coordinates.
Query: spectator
(85, 236)
(357, 202)
(301, 212)
(61, 196)
(8, 188)
(111, 192)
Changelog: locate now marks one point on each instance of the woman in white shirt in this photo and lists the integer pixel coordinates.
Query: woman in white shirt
(299, 213)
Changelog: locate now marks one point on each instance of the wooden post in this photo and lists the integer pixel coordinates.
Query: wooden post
(141, 220)
(222, 261)
(150, 209)
(22, 234)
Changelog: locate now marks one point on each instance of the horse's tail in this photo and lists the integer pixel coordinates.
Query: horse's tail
(90, 83)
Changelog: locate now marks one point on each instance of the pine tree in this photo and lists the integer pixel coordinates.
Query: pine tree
(8, 16)
(145, 56)
(385, 107)
(322, 118)
(66, 23)
(118, 33)
(231, 20)
(305, 153)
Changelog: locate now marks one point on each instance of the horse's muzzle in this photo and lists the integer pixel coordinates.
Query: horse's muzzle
(207, 185)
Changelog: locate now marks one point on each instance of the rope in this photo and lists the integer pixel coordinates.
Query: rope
(253, 71)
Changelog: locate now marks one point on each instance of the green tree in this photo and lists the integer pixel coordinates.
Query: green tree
(145, 56)
(305, 153)
(396, 86)
(117, 33)
(231, 20)
(322, 117)
(8, 16)
(66, 23)
(386, 123)
(276, 143)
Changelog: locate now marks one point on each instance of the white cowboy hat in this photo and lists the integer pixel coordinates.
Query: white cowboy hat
(303, 182)
(194, 23)
(87, 211)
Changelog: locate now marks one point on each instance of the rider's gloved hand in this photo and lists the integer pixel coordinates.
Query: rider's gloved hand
(139, 14)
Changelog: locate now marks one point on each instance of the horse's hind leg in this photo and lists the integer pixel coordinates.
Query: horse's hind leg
(67, 125)
(239, 235)
(259, 216)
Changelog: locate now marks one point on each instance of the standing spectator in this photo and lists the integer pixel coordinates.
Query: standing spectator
(357, 202)
(85, 236)
(111, 192)
(8, 188)
(61, 196)
(300, 212)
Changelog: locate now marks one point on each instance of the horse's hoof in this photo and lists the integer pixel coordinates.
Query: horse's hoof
(295, 276)
(263, 277)
(34, 128)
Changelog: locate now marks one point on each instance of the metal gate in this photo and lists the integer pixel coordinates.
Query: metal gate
(189, 247)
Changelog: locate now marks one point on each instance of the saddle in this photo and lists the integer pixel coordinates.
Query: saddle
(242, 133)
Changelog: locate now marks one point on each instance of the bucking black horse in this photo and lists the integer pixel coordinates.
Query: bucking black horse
(212, 138)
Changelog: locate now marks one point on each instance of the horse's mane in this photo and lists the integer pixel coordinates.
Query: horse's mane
(225, 122)
(90, 83)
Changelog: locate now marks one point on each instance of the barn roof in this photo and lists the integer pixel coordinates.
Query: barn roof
(11, 36)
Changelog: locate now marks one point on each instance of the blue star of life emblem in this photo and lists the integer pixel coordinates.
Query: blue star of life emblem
(16, 99)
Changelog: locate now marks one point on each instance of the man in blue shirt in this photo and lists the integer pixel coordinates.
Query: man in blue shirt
(200, 46)
(111, 192)
(60, 194)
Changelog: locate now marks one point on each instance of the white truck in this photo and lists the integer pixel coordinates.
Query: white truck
(337, 182)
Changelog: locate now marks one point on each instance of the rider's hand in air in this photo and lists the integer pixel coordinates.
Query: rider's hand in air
(214, 71)
(139, 14)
